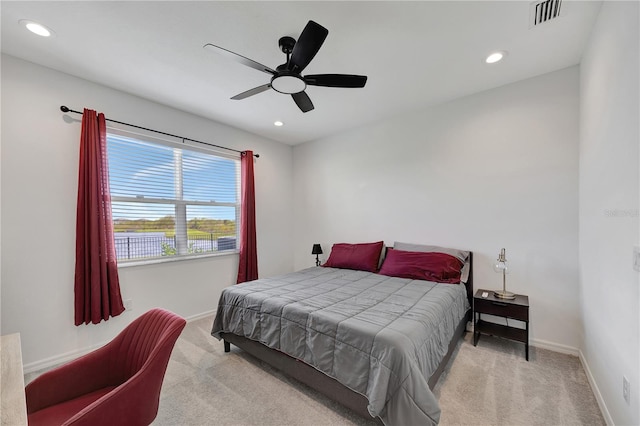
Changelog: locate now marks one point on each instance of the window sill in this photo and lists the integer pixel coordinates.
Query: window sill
(144, 262)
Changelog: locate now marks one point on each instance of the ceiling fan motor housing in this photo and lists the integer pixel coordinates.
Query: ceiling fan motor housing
(286, 44)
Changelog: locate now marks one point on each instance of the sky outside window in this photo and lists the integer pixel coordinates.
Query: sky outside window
(146, 171)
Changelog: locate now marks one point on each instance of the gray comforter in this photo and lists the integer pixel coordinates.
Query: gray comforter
(381, 336)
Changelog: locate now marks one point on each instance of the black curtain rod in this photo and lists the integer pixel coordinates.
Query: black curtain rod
(65, 109)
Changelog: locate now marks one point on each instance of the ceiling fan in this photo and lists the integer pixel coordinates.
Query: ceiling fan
(287, 78)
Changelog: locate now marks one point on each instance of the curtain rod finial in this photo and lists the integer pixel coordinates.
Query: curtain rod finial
(64, 109)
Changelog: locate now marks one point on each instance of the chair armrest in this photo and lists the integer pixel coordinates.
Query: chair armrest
(78, 377)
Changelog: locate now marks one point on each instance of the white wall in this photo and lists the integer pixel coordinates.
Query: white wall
(39, 189)
(609, 202)
(492, 170)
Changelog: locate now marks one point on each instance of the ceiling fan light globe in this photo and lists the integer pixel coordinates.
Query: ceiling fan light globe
(288, 84)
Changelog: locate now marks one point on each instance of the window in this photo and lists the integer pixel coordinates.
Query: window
(171, 199)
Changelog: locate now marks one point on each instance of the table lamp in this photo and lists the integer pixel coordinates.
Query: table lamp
(501, 266)
(317, 250)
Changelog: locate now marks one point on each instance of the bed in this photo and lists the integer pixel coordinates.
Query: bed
(375, 342)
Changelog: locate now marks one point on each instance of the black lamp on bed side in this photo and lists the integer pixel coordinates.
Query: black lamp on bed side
(317, 250)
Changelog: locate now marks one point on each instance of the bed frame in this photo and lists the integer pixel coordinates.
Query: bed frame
(328, 386)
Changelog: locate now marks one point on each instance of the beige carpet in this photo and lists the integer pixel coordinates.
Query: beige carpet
(490, 384)
(493, 384)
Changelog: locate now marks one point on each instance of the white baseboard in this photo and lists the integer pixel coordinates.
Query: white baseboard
(58, 359)
(543, 344)
(71, 355)
(201, 315)
(555, 347)
(596, 391)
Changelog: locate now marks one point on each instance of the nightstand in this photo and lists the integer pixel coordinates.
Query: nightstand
(517, 309)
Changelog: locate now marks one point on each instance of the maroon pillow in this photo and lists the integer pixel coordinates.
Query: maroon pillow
(361, 257)
(432, 266)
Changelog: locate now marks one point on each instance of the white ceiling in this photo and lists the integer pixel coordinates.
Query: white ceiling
(416, 54)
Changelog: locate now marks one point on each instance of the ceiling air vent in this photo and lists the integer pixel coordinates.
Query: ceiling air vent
(543, 11)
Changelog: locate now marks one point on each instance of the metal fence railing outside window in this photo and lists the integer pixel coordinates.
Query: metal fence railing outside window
(132, 245)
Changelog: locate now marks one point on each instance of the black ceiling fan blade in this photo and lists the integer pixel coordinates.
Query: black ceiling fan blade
(239, 58)
(252, 92)
(303, 101)
(336, 80)
(307, 46)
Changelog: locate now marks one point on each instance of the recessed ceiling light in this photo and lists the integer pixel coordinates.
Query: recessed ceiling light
(36, 28)
(278, 123)
(495, 57)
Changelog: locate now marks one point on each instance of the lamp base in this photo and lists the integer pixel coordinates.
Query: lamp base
(504, 294)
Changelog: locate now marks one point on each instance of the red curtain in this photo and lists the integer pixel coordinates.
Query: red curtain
(97, 288)
(248, 266)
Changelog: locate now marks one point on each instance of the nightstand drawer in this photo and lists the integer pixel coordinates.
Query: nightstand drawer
(502, 309)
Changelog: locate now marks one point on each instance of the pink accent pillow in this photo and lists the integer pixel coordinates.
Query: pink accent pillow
(361, 257)
(432, 266)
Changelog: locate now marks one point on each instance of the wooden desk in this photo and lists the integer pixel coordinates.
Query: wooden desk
(13, 407)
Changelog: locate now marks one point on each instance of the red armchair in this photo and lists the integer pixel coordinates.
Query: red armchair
(118, 384)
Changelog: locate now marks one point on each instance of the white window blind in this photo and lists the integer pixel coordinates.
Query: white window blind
(169, 200)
